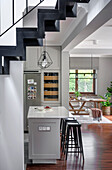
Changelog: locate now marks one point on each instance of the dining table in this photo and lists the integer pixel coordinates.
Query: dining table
(83, 101)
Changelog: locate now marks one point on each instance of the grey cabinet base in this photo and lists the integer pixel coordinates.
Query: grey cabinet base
(44, 161)
(44, 140)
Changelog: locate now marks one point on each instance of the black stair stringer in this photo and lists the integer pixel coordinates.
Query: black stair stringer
(71, 9)
(1, 65)
(53, 25)
(6, 68)
(48, 20)
(27, 37)
(8, 50)
(47, 14)
(82, 1)
(56, 14)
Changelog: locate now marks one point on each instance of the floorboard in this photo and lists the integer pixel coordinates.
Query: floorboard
(97, 141)
(109, 117)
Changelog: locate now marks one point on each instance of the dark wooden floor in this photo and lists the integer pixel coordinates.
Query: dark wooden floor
(97, 141)
(109, 117)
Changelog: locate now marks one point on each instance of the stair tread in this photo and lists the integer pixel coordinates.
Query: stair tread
(82, 1)
(48, 11)
(7, 47)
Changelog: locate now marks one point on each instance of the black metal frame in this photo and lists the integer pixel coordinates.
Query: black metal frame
(76, 143)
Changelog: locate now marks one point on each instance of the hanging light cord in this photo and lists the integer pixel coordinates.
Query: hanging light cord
(91, 62)
(45, 60)
(45, 45)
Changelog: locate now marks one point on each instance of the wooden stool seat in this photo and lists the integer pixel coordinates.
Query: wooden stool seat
(96, 113)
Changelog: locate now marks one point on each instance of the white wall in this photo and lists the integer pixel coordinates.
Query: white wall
(11, 119)
(6, 17)
(9, 38)
(0, 17)
(65, 79)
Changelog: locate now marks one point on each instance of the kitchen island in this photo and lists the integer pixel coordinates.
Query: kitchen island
(44, 133)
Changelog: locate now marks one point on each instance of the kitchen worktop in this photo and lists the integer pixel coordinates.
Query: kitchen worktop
(54, 112)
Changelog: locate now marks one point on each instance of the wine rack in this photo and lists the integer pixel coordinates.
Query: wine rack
(51, 86)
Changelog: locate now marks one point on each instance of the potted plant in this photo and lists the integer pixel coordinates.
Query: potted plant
(77, 94)
(109, 89)
(106, 105)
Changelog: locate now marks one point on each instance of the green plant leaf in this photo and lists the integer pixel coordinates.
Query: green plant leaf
(107, 97)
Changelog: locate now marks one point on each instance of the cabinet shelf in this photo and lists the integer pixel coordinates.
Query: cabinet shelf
(50, 77)
(50, 100)
(50, 92)
(50, 85)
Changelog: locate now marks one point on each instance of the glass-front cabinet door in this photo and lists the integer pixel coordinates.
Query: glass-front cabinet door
(51, 87)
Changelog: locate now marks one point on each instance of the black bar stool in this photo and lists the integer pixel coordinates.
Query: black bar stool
(61, 121)
(64, 130)
(77, 145)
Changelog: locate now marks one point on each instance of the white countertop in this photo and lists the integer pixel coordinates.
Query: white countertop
(54, 112)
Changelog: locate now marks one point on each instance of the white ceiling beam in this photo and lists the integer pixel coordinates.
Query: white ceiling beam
(89, 24)
(99, 51)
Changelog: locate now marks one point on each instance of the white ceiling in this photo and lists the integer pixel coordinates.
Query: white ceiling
(98, 44)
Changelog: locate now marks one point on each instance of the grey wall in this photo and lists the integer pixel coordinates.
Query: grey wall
(84, 63)
(33, 54)
(104, 74)
(11, 119)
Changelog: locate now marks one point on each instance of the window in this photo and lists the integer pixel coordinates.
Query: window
(82, 81)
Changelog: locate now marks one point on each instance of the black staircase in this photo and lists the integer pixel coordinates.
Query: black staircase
(48, 20)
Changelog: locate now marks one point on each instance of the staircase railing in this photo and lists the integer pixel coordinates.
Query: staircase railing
(13, 21)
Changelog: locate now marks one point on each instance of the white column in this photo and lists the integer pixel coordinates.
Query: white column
(65, 79)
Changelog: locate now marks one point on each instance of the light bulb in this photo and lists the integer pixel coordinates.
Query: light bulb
(44, 63)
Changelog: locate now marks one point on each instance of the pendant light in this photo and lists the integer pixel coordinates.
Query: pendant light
(92, 67)
(45, 59)
(91, 63)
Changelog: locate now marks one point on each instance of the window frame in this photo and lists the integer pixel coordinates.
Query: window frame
(76, 84)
